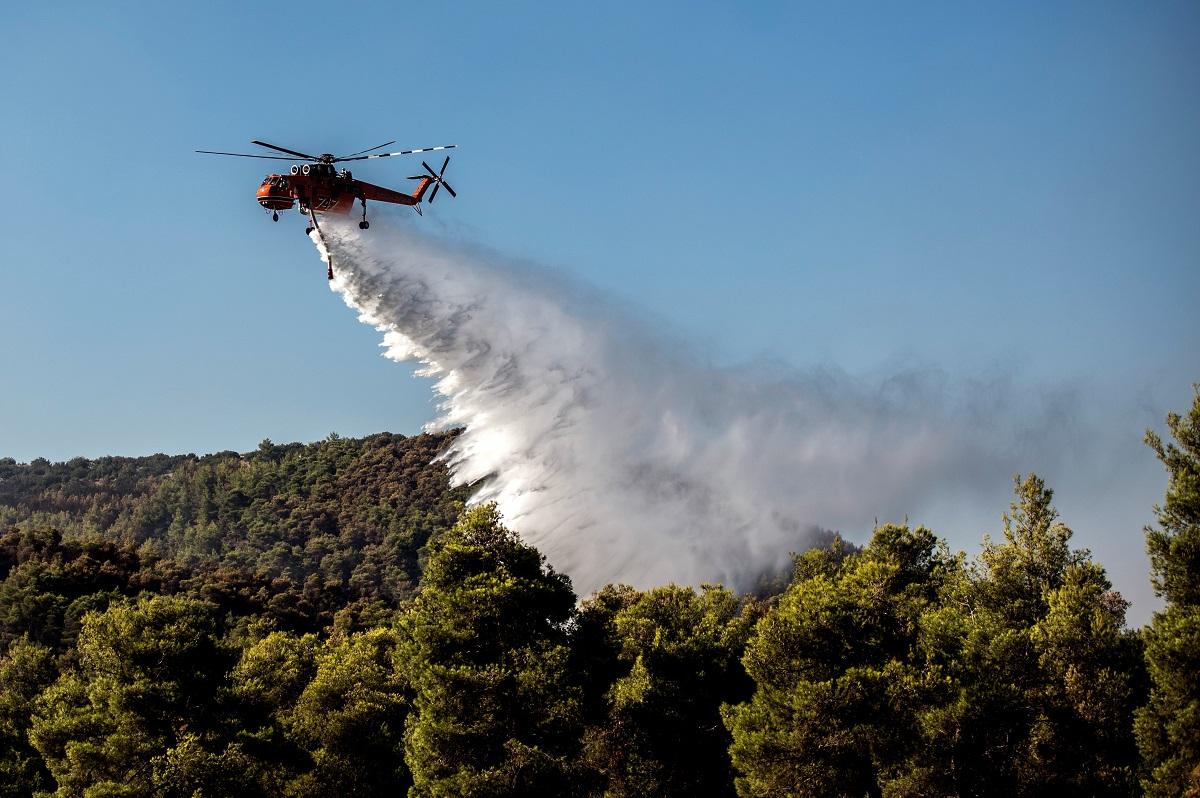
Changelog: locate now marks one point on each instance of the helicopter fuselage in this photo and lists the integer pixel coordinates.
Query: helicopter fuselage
(322, 188)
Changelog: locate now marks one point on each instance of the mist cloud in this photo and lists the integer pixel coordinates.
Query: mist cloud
(618, 452)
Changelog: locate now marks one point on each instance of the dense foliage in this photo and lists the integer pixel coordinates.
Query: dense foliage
(294, 535)
(328, 620)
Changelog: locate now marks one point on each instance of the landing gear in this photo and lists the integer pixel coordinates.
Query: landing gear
(308, 230)
(364, 224)
(275, 216)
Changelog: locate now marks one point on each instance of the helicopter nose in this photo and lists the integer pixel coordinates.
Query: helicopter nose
(274, 196)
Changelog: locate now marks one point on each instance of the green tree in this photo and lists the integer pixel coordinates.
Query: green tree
(1032, 560)
(1038, 678)
(673, 658)
(1168, 727)
(350, 718)
(834, 709)
(25, 670)
(485, 651)
(143, 713)
(1093, 680)
(267, 682)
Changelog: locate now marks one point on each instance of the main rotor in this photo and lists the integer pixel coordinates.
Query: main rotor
(326, 157)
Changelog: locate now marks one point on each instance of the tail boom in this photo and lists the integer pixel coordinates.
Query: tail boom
(375, 193)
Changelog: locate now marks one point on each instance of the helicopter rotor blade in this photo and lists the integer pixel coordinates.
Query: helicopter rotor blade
(447, 187)
(436, 186)
(429, 169)
(445, 163)
(390, 154)
(368, 149)
(284, 149)
(247, 155)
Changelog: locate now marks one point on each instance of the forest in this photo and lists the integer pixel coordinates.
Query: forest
(333, 619)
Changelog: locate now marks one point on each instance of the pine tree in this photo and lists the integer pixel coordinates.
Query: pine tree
(267, 684)
(1040, 676)
(1033, 558)
(1168, 727)
(350, 718)
(834, 711)
(672, 658)
(143, 713)
(25, 670)
(486, 653)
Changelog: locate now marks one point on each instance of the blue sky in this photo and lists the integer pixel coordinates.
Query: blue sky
(970, 188)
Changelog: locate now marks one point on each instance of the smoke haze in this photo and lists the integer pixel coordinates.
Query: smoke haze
(615, 450)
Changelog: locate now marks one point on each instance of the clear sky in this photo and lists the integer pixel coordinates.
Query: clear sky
(973, 188)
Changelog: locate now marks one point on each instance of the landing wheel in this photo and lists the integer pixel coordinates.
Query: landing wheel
(308, 231)
(275, 216)
(364, 224)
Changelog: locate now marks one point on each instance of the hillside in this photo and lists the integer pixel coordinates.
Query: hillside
(293, 532)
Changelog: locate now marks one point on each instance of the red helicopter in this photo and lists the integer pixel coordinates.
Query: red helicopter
(319, 187)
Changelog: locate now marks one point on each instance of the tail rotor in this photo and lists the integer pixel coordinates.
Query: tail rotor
(436, 178)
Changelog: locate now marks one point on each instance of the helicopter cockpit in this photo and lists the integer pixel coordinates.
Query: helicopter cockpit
(274, 193)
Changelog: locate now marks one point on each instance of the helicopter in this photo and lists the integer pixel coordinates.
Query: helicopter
(318, 186)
